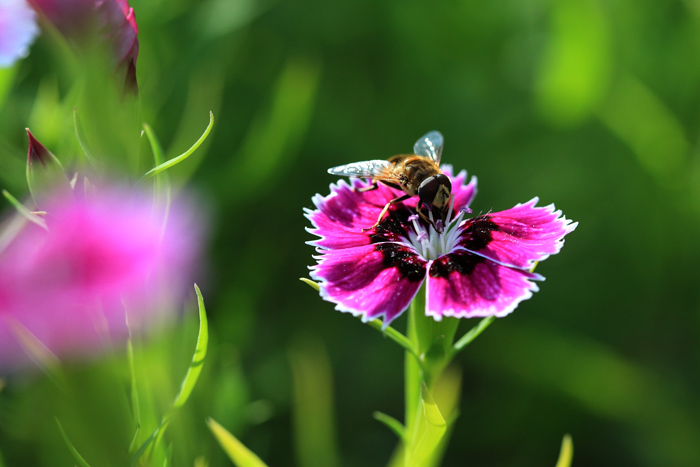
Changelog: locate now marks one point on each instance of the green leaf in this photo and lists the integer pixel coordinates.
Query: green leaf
(393, 424)
(176, 160)
(161, 186)
(657, 134)
(44, 171)
(144, 446)
(429, 431)
(158, 154)
(566, 454)
(200, 353)
(135, 438)
(30, 216)
(575, 69)
(82, 140)
(272, 142)
(134, 393)
(135, 405)
(38, 352)
(188, 382)
(313, 410)
(78, 458)
(10, 230)
(7, 79)
(394, 335)
(236, 451)
(472, 334)
(312, 284)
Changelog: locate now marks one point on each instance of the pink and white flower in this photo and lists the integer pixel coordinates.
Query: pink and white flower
(111, 22)
(105, 256)
(479, 266)
(17, 30)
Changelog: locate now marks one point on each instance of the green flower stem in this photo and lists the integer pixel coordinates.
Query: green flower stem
(395, 336)
(472, 334)
(413, 373)
(432, 341)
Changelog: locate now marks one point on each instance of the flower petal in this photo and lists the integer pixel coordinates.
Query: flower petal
(17, 31)
(370, 281)
(341, 216)
(463, 194)
(105, 254)
(465, 285)
(519, 236)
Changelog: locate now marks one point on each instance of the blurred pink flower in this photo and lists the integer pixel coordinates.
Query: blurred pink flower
(17, 30)
(112, 21)
(101, 257)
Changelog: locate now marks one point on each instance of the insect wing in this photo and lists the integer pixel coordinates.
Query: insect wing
(364, 169)
(430, 146)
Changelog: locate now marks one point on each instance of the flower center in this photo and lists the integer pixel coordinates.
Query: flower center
(428, 242)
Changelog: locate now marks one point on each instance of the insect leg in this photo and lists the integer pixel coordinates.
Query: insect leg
(386, 208)
(373, 186)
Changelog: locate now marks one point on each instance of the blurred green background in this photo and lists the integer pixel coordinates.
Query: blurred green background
(589, 104)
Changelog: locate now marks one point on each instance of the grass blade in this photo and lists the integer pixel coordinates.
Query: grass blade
(394, 335)
(236, 451)
(161, 183)
(176, 160)
(26, 213)
(393, 424)
(200, 353)
(78, 458)
(310, 283)
(566, 454)
(188, 382)
(38, 353)
(82, 140)
(472, 334)
(313, 413)
(144, 446)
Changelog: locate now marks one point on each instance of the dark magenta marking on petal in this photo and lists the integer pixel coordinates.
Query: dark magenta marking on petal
(462, 262)
(394, 226)
(402, 258)
(477, 233)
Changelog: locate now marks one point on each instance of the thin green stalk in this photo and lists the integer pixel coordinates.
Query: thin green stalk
(472, 334)
(412, 366)
(395, 336)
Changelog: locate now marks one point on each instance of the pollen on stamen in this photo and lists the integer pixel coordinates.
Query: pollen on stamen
(440, 226)
(439, 237)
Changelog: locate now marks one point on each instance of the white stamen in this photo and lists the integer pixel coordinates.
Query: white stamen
(428, 242)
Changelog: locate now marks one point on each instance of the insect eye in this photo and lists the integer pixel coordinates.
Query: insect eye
(435, 190)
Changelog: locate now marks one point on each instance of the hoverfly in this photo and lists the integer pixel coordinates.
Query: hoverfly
(416, 174)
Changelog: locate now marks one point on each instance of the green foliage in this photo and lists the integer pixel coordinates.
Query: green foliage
(235, 450)
(566, 454)
(186, 387)
(157, 152)
(588, 104)
(314, 420)
(76, 455)
(23, 211)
